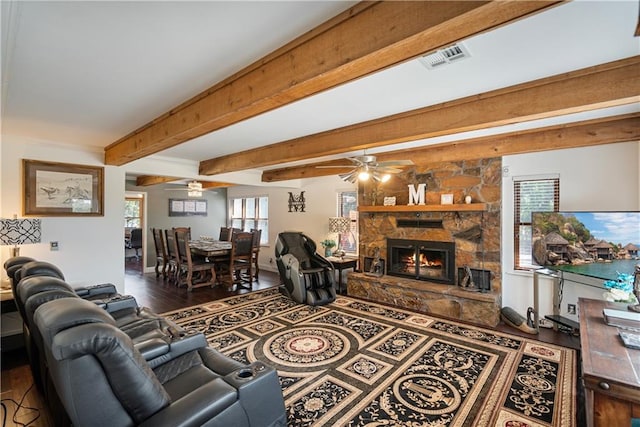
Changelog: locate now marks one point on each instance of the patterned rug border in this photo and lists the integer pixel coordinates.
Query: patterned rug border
(514, 357)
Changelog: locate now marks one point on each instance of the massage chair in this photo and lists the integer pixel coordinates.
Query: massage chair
(307, 277)
(103, 379)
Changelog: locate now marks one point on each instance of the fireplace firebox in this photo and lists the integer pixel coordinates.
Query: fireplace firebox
(422, 260)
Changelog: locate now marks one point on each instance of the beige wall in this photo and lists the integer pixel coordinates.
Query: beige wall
(604, 178)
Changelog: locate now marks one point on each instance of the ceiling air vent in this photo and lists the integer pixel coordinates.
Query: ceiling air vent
(445, 56)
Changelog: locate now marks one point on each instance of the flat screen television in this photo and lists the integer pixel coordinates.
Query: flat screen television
(596, 244)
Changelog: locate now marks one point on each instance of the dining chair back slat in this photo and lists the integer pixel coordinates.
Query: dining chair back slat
(172, 255)
(162, 257)
(255, 252)
(226, 233)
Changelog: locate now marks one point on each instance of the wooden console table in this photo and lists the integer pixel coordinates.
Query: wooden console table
(611, 371)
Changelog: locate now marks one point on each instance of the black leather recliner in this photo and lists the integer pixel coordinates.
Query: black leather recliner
(103, 380)
(307, 277)
(157, 338)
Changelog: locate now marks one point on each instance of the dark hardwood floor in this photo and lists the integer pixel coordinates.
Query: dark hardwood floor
(160, 296)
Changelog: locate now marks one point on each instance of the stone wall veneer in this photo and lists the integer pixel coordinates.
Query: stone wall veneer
(480, 179)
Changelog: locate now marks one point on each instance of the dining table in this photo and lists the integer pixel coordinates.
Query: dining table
(210, 248)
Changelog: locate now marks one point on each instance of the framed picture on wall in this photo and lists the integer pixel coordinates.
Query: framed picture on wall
(187, 207)
(62, 189)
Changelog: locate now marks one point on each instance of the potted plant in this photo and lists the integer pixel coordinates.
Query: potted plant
(327, 244)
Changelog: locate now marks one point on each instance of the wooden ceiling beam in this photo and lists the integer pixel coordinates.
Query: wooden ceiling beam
(606, 130)
(367, 38)
(606, 85)
(215, 184)
(147, 180)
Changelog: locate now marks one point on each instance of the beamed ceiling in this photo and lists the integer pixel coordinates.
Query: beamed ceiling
(541, 75)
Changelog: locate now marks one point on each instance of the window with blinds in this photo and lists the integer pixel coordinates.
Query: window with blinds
(249, 213)
(531, 195)
(348, 208)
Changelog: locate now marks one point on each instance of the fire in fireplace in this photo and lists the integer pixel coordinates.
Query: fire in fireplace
(422, 260)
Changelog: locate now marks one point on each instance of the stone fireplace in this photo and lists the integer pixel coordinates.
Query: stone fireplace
(422, 260)
(465, 237)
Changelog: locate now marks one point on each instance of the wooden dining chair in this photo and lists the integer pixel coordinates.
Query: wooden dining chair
(184, 230)
(238, 269)
(255, 252)
(194, 271)
(225, 234)
(162, 257)
(173, 260)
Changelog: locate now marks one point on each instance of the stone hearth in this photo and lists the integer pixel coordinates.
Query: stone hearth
(425, 297)
(476, 235)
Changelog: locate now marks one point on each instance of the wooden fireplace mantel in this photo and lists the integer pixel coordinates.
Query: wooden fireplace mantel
(471, 207)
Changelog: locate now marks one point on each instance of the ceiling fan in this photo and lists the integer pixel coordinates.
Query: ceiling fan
(367, 166)
(193, 189)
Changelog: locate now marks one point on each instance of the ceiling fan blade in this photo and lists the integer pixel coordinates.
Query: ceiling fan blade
(334, 166)
(351, 177)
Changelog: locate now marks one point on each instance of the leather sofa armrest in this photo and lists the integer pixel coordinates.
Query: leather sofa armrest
(152, 348)
(119, 302)
(178, 347)
(116, 303)
(259, 393)
(196, 408)
(219, 363)
(99, 289)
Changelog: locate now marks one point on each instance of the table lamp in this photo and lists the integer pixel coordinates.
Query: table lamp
(339, 225)
(19, 232)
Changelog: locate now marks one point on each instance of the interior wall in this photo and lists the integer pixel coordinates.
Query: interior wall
(600, 178)
(321, 203)
(90, 251)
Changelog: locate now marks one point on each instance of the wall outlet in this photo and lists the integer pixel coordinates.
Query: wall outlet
(53, 246)
(571, 308)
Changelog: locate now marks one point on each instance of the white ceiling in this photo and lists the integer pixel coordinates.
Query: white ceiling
(89, 73)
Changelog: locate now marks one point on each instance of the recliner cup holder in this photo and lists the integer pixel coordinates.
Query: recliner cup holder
(244, 373)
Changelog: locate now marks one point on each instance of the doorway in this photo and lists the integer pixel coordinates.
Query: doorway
(134, 233)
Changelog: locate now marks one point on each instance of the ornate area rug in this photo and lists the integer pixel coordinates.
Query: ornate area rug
(355, 363)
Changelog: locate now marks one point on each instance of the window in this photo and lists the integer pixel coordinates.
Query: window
(132, 213)
(531, 195)
(348, 208)
(251, 213)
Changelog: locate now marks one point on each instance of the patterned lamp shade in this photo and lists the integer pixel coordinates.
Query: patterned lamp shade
(339, 225)
(19, 232)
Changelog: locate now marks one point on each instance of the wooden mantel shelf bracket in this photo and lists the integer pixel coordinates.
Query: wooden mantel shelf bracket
(471, 207)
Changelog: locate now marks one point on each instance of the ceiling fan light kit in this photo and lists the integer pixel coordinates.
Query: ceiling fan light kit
(368, 167)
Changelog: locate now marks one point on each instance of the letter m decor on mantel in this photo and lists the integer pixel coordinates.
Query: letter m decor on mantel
(428, 244)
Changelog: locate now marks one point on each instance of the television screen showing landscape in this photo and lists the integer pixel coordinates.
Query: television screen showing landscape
(597, 244)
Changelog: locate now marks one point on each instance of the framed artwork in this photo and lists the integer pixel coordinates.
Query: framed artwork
(62, 189)
(187, 207)
(446, 199)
